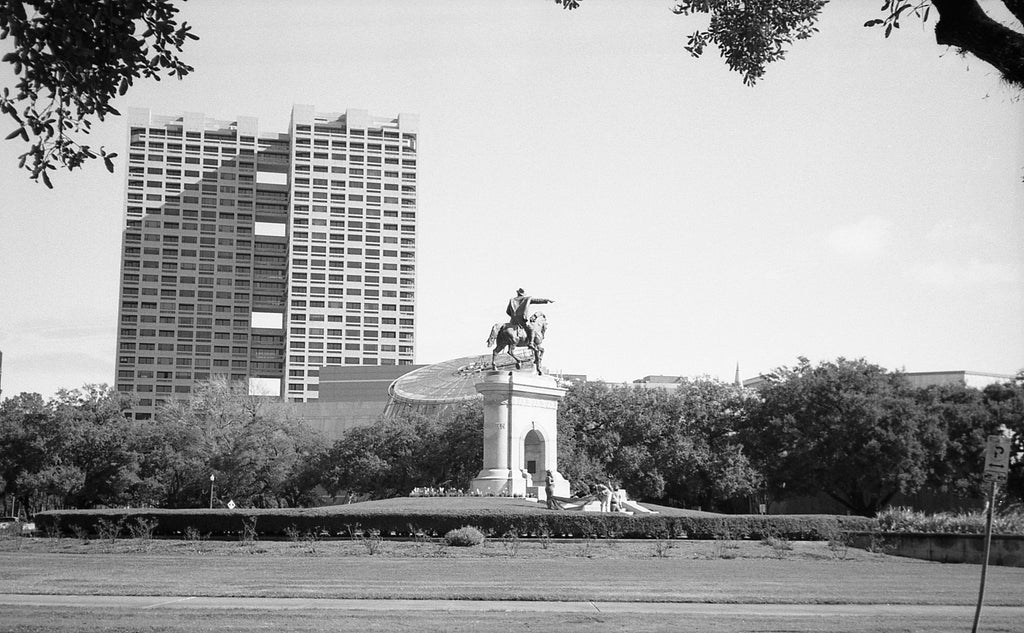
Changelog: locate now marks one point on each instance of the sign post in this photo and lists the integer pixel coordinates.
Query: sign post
(997, 464)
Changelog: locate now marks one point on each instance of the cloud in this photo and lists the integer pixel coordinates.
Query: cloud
(972, 273)
(964, 235)
(46, 372)
(862, 240)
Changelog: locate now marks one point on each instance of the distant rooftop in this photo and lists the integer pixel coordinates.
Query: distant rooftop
(967, 378)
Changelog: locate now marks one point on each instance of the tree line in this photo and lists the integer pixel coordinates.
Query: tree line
(847, 429)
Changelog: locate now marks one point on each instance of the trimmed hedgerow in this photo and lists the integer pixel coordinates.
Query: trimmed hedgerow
(353, 520)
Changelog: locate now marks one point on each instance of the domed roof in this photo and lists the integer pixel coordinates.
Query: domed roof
(451, 381)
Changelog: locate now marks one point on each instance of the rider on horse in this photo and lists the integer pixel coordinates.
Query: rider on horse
(517, 310)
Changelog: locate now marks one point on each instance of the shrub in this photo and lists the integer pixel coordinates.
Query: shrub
(662, 548)
(142, 529)
(109, 530)
(464, 537)
(907, 520)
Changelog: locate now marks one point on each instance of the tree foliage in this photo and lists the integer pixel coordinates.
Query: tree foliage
(672, 446)
(258, 452)
(395, 455)
(966, 422)
(77, 449)
(751, 34)
(846, 428)
(71, 58)
(1005, 405)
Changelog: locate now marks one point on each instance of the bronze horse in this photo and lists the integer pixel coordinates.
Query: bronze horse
(510, 337)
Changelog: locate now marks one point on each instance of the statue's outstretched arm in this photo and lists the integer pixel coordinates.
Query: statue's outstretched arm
(539, 300)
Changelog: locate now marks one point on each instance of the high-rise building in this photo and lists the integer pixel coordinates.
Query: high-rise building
(265, 257)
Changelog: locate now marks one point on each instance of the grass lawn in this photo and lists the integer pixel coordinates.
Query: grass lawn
(667, 571)
(724, 574)
(22, 620)
(800, 586)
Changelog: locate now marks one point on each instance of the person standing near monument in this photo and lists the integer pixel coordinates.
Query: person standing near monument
(549, 491)
(518, 309)
(604, 494)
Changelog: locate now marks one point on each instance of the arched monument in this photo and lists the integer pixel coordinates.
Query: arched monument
(520, 410)
(520, 434)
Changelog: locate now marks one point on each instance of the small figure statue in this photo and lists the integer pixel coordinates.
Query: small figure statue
(521, 330)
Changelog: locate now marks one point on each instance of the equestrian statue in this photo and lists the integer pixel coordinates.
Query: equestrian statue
(522, 330)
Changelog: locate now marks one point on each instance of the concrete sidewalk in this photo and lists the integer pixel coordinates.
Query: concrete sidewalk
(193, 603)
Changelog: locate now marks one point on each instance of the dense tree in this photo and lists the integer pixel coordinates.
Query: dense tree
(71, 58)
(846, 428)
(752, 34)
(25, 430)
(98, 441)
(395, 455)
(1005, 404)
(673, 446)
(966, 423)
(257, 450)
(77, 449)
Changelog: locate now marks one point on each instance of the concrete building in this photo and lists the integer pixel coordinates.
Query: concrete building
(350, 397)
(265, 257)
(659, 382)
(976, 379)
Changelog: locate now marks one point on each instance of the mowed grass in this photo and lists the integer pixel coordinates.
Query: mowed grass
(72, 620)
(502, 569)
(801, 586)
(721, 575)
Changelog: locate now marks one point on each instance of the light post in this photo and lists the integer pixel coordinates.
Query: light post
(211, 491)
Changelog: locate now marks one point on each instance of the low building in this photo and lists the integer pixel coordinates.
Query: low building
(919, 379)
(350, 396)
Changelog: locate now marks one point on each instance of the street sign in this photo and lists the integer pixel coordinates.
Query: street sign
(997, 458)
(997, 463)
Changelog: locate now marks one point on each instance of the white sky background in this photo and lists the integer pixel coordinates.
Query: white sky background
(864, 200)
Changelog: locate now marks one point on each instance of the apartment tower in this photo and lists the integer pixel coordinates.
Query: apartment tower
(264, 257)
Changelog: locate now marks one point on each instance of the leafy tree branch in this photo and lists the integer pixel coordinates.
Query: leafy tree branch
(71, 58)
(750, 34)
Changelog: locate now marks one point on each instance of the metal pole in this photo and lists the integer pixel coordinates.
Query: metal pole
(984, 562)
(211, 491)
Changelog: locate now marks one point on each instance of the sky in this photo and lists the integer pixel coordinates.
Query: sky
(864, 200)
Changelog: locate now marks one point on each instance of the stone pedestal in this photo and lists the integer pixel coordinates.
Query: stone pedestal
(520, 434)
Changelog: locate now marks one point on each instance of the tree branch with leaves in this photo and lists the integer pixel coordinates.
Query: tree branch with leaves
(750, 34)
(71, 59)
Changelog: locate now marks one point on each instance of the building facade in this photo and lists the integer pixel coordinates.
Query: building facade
(265, 257)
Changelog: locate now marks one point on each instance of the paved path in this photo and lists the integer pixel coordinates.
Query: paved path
(507, 606)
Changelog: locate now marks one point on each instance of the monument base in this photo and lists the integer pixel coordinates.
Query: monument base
(497, 482)
(520, 435)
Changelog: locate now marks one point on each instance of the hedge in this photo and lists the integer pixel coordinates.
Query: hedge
(352, 521)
